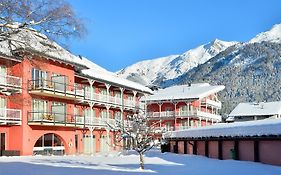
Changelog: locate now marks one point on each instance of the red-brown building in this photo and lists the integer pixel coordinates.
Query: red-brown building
(258, 141)
(53, 102)
(183, 107)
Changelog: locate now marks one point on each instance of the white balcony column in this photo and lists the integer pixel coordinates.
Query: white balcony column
(134, 98)
(188, 125)
(145, 105)
(200, 121)
(122, 102)
(175, 110)
(187, 106)
(91, 113)
(108, 139)
(212, 121)
(200, 104)
(160, 110)
(107, 92)
(107, 113)
(91, 129)
(207, 120)
(91, 82)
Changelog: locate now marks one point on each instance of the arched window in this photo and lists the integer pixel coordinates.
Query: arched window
(49, 144)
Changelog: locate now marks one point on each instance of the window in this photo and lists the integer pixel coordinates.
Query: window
(88, 91)
(59, 111)
(3, 73)
(49, 144)
(168, 126)
(117, 115)
(3, 102)
(59, 81)
(103, 114)
(39, 109)
(117, 94)
(103, 91)
(88, 117)
(130, 97)
(39, 77)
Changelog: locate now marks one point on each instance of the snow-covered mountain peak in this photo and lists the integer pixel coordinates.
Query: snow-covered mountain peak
(272, 35)
(170, 67)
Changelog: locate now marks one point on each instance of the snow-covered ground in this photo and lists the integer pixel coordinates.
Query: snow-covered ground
(123, 164)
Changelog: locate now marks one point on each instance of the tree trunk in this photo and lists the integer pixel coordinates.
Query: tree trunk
(141, 161)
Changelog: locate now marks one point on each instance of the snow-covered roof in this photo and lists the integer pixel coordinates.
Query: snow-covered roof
(257, 109)
(237, 129)
(35, 42)
(30, 40)
(113, 78)
(195, 91)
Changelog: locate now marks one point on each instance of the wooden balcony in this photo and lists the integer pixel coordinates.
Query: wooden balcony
(10, 84)
(10, 116)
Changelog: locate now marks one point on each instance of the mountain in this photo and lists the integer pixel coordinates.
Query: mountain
(250, 71)
(273, 35)
(160, 70)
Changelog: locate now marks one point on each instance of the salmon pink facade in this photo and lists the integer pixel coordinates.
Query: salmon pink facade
(49, 106)
(183, 107)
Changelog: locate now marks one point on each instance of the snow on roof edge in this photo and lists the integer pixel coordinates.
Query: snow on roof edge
(236, 129)
(112, 78)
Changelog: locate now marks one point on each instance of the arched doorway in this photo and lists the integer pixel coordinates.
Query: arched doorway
(49, 144)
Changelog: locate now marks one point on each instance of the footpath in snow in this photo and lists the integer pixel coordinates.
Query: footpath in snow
(119, 164)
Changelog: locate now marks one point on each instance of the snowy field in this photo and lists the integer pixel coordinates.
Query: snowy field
(155, 163)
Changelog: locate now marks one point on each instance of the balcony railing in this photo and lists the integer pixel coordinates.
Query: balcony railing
(10, 116)
(209, 115)
(182, 114)
(70, 120)
(57, 88)
(216, 104)
(54, 118)
(9, 81)
(103, 98)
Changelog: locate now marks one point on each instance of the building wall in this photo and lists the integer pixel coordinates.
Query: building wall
(24, 137)
(201, 148)
(213, 149)
(190, 147)
(246, 150)
(226, 147)
(270, 152)
(181, 147)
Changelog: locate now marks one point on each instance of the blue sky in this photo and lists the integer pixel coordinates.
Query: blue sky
(122, 32)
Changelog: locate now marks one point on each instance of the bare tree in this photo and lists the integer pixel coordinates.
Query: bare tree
(139, 133)
(56, 19)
